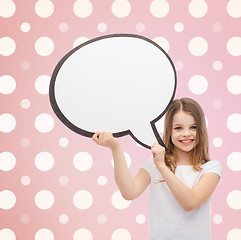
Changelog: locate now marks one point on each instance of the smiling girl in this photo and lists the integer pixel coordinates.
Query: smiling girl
(182, 179)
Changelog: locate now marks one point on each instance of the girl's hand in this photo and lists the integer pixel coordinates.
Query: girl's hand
(158, 153)
(105, 139)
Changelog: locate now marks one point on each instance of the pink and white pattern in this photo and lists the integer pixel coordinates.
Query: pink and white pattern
(56, 184)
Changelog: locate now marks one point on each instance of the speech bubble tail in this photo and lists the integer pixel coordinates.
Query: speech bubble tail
(147, 135)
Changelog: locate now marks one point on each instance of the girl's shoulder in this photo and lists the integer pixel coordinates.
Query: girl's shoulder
(149, 165)
(212, 166)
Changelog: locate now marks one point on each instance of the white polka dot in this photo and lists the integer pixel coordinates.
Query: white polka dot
(198, 84)
(44, 46)
(83, 233)
(217, 103)
(102, 27)
(64, 142)
(7, 123)
(44, 8)
(217, 65)
(44, 123)
(25, 65)
(217, 142)
(44, 234)
(198, 8)
(198, 46)
(7, 8)
(83, 199)
(25, 142)
(25, 219)
(25, 180)
(179, 65)
(121, 234)
(102, 180)
(140, 27)
(217, 27)
(234, 8)
(234, 161)
(234, 199)
(101, 219)
(83, 161)
(163, 43)
(7, 84)
(25, 27)
(7, 199)
(234, 234)
(234, 46)
(7, 234)
(44, 161)
(121, 8)
(159, 8)
(128, 160)
(7, 46)
(233, 123)
(179, 27)
(42, 84)
(63, 27)
(140, 219)
(44, 199)
(83, 8)
(119, 202)
(79, 41)
(234, 84)
(217, 218)
(63, 180)
(7, 161)
(63, 219)
(25, 103)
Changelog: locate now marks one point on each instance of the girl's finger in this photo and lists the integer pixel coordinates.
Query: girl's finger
(95, 137)
(154, 144)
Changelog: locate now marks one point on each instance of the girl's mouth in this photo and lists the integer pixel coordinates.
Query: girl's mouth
(187, 141)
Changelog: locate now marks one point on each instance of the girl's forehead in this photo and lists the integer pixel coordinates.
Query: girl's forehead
(183, 117)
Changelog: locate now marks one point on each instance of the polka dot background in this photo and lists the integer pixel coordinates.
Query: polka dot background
(56, 184)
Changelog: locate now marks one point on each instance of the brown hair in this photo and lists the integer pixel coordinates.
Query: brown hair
(200, 154)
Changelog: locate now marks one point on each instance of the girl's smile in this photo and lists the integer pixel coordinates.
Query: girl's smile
(187, 141)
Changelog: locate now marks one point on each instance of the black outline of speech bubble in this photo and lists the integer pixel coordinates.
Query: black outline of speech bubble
(85, 133)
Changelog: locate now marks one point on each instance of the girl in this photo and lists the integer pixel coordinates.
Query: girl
(181, 180)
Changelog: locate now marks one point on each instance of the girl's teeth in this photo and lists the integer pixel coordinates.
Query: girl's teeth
(187, 141)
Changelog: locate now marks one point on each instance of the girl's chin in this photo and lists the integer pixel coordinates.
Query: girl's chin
(185, 148)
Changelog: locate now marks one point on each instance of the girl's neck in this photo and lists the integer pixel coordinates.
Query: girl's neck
(183, 158)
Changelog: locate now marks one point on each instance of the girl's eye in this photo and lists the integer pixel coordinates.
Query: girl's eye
(177, 128)
(194, 127)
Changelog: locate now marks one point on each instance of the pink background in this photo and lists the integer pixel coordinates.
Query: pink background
(29, 127)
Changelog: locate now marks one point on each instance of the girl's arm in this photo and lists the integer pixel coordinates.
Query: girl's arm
(189, 199)
(129, 188)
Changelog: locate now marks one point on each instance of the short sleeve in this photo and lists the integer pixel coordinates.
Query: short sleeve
(213, 166)
(149, 166)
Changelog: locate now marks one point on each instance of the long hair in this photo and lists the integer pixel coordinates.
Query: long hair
(200, 154)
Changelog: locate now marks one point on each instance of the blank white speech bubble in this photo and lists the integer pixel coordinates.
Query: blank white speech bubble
(122, 83)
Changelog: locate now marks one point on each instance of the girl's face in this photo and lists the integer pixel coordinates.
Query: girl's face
(184, 133)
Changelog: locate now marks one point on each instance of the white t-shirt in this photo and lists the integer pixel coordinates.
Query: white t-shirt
(168, 220)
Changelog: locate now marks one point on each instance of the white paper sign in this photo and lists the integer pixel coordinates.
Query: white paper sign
(121, 83)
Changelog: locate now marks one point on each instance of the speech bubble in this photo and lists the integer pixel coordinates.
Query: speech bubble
(122, 83)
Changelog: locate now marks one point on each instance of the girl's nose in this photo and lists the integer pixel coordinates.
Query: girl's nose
(186, 132)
